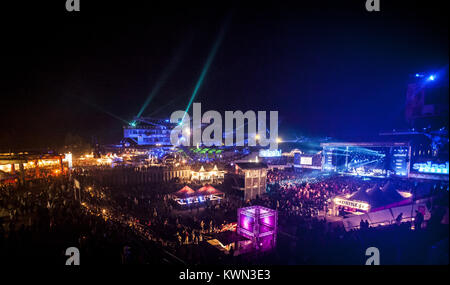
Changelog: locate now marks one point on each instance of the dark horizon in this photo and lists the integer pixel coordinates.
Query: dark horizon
(334, 71)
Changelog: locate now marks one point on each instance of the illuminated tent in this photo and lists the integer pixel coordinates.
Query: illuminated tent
(203, 175)
(387, 203)
(391, 194)
(184, 192)
(377, 198)
(360, 195)
(186, 195)
(208, 190)
(391, 198)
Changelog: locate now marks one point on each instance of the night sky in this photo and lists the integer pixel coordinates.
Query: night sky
(330, 69)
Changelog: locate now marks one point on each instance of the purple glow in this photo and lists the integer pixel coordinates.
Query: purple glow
(268, 221)
(251, 216)
(246, 222)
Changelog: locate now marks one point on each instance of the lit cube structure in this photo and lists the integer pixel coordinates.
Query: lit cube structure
(257, 223)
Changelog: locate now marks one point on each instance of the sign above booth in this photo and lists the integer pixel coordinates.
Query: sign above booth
(270, 153)
(352, 204)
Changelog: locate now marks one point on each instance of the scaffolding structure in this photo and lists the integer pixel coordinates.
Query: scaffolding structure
(258, 224)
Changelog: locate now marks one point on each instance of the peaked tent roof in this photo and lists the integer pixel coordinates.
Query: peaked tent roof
(208, 190)
(360, 195)
(377, 197)
(391, 194)
(185, 192)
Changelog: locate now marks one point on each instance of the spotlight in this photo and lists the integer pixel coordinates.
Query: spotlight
(432, 77)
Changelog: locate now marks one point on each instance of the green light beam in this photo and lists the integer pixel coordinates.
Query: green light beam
(209, 60)
(162, 80)
(102, 110)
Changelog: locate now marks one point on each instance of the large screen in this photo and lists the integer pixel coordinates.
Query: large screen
(311, 161)
(306, 160)
(367, 161)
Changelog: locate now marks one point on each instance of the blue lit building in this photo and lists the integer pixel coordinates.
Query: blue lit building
(420, 151)
(429, 152)
(147, 132)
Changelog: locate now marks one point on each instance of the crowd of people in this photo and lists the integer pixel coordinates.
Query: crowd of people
(295, 194)
(45, 218)
(300, 198)
(141, 224)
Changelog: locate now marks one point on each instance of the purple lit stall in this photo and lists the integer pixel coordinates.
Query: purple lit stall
(258, 224)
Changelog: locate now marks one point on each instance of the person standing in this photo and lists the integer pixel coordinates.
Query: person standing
(418, 220)
(399, 218)
(202, 226)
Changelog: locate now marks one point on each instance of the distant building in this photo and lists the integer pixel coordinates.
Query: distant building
(147, 132)
(212, 175)
(250, 178)
(31, 165)
(142, 175)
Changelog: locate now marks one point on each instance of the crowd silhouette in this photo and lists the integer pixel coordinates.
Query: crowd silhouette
(141, 224)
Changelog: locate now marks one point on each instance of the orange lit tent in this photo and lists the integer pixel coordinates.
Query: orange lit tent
(184, 192)
(211, 192)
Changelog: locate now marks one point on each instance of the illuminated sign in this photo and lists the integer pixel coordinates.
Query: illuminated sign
(270, 153)
(306, 160)
(68, 158)
(430, 167)
(352, 204)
